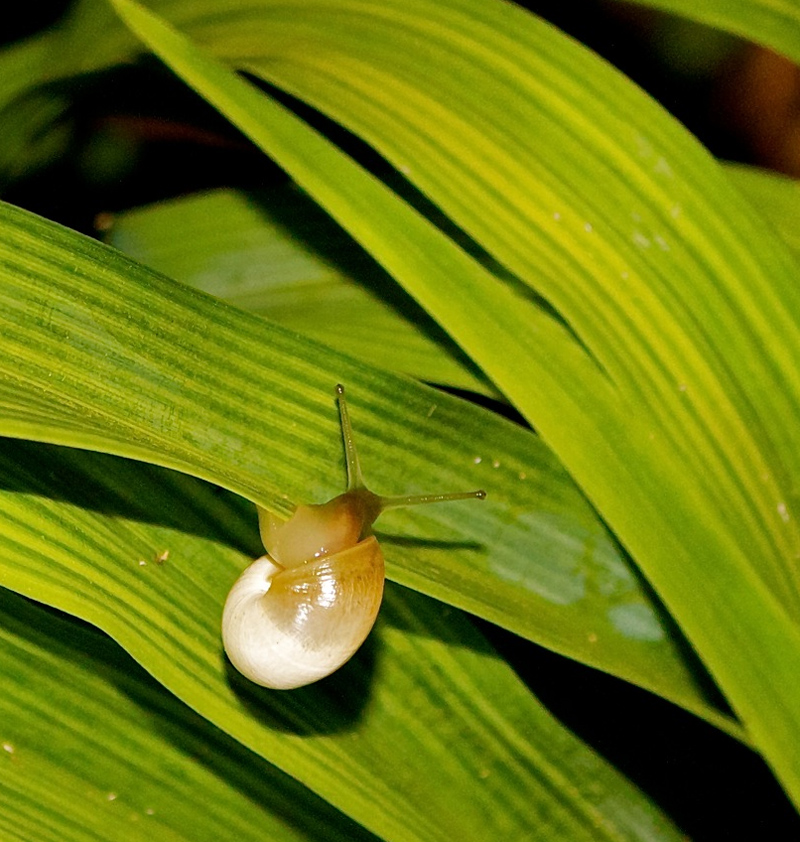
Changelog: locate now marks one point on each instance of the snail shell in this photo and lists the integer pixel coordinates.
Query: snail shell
(299, 613)
(313, 621)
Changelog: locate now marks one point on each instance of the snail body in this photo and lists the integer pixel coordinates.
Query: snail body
(300, 612)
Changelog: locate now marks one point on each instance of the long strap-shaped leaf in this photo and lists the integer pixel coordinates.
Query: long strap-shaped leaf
(279, 255)
(663, 342)
(247, 37)
(625, 441)
(425, 735)
(772, 22)
(100, 353)
(776, 197)
(93, 748)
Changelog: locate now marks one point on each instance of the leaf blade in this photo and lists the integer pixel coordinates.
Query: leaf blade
(261, 421)
(615, 445)
(93, 748)
(363, 738)
(278, 256)
(776, 25)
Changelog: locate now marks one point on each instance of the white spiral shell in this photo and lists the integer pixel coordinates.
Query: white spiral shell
(287, 627)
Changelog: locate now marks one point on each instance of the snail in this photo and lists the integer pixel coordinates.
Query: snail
(300, 612)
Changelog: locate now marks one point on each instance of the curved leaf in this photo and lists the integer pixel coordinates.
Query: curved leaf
(775, 196)
(34, 125)
(101, 353)
(710, 470)
(775, 23)
(425, 708)
(94, 749)
(279, 256)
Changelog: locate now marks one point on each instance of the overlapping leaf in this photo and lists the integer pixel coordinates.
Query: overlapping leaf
(776, 197)
(713, 442)
(101, 353)
(775, 23)
(94, 749)
(425, 709)
(32, 117)
(683, 454)
(279, 256)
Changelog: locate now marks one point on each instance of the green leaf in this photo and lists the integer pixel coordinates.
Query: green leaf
(425, 709)
(179, 379)
(93, 748)
(775, 196)
(35, 129)
(775, 23)
(684, 456)
(279, 256)
(99, 352)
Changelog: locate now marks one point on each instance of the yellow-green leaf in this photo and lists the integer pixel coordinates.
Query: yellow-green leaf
(278, 255)
(93, 748)
(424, 735)
(684, 456)
(101, 353)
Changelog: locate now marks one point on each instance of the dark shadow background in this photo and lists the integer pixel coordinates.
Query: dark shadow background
(140, 137)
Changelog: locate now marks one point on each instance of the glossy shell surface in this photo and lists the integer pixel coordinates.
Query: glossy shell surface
(284, 628)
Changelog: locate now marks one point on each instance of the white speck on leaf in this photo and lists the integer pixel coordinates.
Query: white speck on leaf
(636, 621)
(587, 226)
(477, 460)
(663, 167)
(8, 748)
(645, 147)
(640, 240)
(782, 511)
